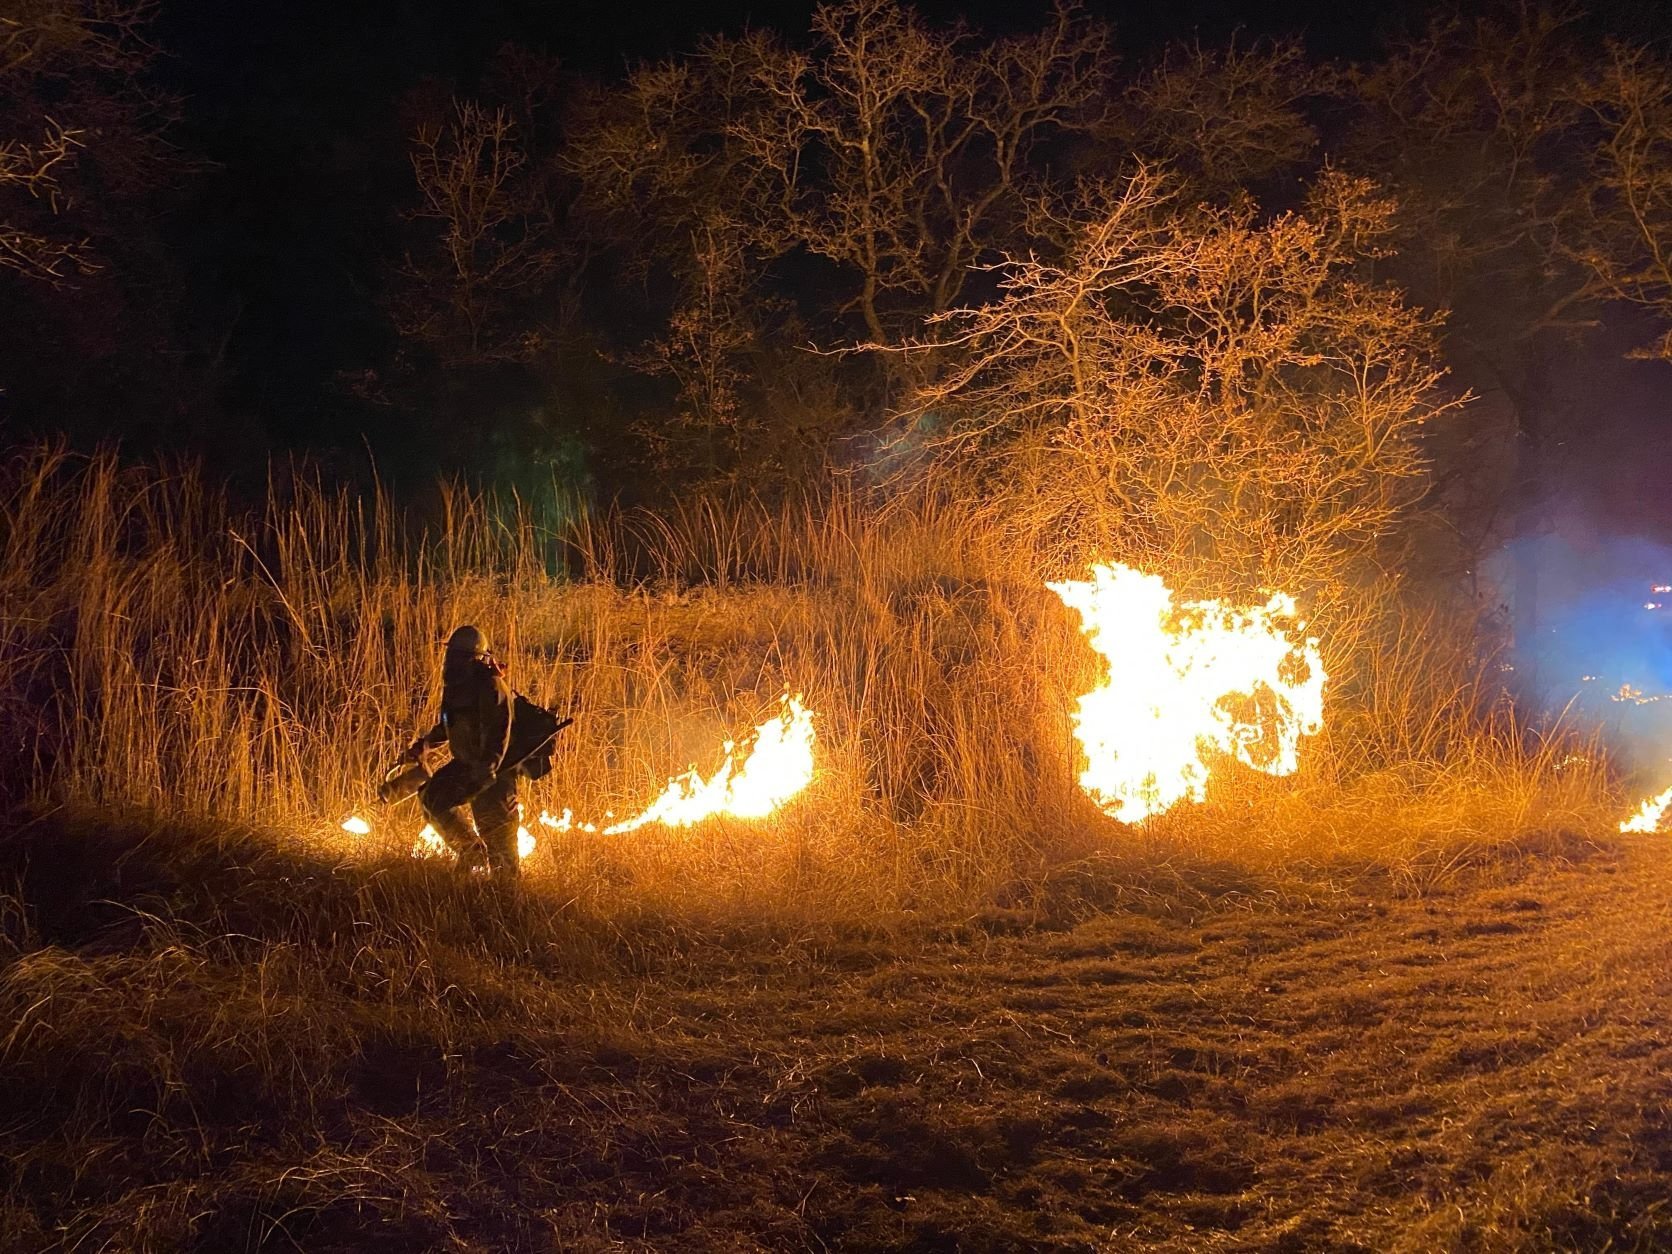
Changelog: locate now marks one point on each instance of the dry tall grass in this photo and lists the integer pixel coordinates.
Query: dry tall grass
(247, 1030)
(162, 652)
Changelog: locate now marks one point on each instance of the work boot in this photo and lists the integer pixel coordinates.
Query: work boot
(501, 849)
(473, 858)
(496, 813)
(459, 836)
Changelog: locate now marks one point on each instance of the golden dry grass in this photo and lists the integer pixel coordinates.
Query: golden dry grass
(163, 653)
(215, 1043)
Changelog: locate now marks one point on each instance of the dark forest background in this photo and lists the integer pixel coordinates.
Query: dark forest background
(604, 250)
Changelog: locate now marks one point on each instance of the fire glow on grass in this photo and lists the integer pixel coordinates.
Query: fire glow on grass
(1648, 816)
(755, 779)
(1186, 682)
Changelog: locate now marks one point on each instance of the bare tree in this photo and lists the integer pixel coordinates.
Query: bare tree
(1528, 202)
(35, 169)
(1627, 247)
(1472, 125)
(1221, 118)
(901, 153)
(489, 244)
(76, 114)
(1199, 390)
(710, 332)
(885, 163)
(904, 153)
(662, 185)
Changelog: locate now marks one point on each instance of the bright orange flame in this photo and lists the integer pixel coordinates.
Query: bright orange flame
(749, 784)
(430, 845)
(1648, 816)
(1186, 682)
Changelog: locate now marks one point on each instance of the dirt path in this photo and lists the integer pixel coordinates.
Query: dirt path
(1487, 1068)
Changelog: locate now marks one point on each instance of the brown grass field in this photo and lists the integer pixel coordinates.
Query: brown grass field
(213, 1046)
(1413, 997)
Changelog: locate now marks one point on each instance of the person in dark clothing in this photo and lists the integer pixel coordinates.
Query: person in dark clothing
(476, 717)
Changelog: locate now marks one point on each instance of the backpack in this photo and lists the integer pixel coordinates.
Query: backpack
(533, 738)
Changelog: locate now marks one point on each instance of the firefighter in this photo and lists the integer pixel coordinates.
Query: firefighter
(476, 718)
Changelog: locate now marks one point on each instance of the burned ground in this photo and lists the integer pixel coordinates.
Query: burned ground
(214, 1047)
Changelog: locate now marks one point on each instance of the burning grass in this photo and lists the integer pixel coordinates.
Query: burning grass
(160, 653)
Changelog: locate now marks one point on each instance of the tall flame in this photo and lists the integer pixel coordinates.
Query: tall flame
(1186, 682)
(1648, 816)
(750, 784)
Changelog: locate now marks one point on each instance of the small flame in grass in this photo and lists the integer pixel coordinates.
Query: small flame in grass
(430, 845)
(1185, 682)
(1631, 695)
(1648, 816)
(750, 784)
(565, 822)
(354, 825)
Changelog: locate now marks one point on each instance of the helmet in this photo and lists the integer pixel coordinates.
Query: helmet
(469, 641)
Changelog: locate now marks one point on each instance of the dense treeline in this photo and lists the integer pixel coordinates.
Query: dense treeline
(1034, 262)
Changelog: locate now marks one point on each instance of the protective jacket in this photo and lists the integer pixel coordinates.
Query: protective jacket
(476, 710)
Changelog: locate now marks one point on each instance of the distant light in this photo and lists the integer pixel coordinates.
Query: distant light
(1651, 605)
(1661, 587)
